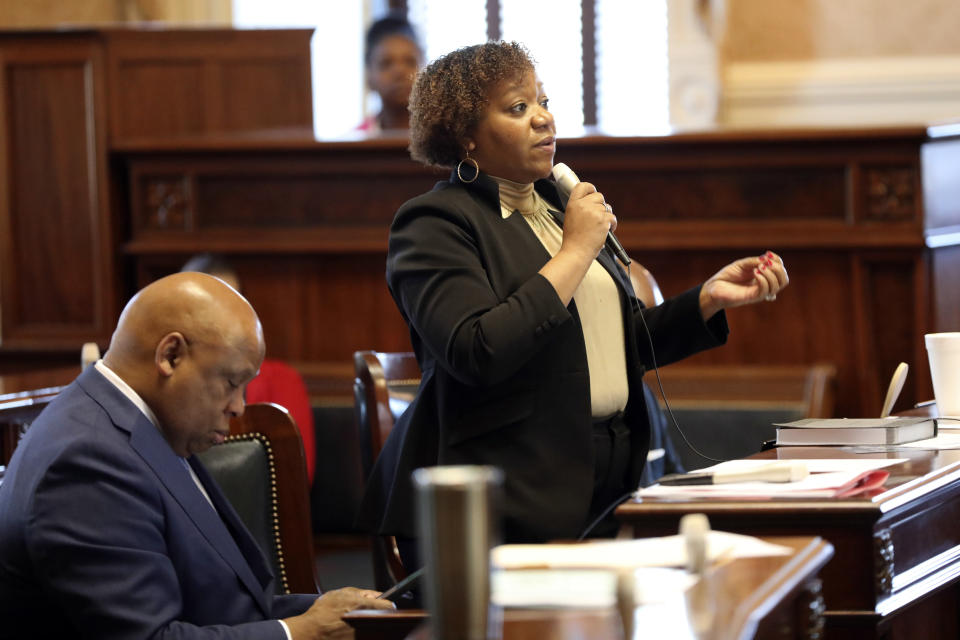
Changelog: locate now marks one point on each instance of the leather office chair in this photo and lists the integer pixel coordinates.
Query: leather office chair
(262, 470)
(17, 412)
(384, 385)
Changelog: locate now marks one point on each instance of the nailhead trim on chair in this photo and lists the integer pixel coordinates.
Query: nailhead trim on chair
(403, 382)
(275, 512)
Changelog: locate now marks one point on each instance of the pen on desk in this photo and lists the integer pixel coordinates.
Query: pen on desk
(780, 471)
(403, 586)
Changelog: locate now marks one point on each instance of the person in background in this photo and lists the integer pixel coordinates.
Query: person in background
(277, 381)
(392, 56)
(110, 527)
(530, 338)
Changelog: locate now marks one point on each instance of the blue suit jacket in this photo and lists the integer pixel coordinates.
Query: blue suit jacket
(104, 534)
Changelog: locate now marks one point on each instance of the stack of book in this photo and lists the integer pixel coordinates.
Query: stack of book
(855, 431)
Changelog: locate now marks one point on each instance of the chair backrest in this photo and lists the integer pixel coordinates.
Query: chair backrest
(384, 385)
(17, 412)
(262, 470)
(645, 285)
(728, 411)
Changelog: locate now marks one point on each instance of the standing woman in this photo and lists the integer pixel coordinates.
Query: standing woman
(531, 341)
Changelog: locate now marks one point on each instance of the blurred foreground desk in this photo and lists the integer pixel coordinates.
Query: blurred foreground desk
(772, 597)
(897, 564)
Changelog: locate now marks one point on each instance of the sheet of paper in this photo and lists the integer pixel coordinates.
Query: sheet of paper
(816, 485)
(814, 465)
(669, 551)
(579, 588)
(553, 588)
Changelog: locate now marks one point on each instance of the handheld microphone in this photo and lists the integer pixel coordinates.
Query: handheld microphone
(566, 181)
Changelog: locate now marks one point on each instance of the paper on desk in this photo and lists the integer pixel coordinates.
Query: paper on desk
(583, 588)
(814, 465)
(669, 551)
(816, 485)
(554, 588)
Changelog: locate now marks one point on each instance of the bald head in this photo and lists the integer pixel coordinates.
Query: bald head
(198, 305)
(186, 344)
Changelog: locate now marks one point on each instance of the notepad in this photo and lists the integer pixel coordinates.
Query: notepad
(855, 431)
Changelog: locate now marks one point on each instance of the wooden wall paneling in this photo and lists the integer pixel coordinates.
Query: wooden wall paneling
(266, 93)
(316, 309)
(176, 82)
(308, 223)
(893, 324)
(813, 320)
(335, 200)
(159, 97)
(58, 277)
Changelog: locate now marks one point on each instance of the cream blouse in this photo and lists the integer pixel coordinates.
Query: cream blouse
(597, 299)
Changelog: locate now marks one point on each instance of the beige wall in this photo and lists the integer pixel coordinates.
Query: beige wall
(46, 13)
(764, 30)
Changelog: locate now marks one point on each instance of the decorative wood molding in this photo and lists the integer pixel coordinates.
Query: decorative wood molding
(810, 611)
(891, 193)
(168, 203)
(854, 91)
(883, 552)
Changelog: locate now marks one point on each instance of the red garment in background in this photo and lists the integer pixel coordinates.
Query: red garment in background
(281, 384)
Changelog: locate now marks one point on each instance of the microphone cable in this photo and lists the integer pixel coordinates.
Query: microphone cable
(635, 301)
(656, 370)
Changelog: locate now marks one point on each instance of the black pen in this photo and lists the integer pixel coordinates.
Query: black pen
(402, 587)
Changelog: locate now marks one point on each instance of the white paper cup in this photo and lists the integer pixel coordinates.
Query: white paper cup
(943, 351)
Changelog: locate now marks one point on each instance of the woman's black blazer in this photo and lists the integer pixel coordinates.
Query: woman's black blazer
(505, 378)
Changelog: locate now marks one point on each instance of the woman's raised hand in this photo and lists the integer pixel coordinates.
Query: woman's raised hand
(743, 282)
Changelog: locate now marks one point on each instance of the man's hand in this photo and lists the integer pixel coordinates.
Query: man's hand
(323, 620)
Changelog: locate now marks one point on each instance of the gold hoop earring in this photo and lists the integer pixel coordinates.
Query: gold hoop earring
(476, 169)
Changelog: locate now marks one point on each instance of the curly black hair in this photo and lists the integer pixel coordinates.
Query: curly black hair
(451, 93)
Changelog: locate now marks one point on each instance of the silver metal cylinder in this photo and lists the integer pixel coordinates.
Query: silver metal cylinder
(457, 525)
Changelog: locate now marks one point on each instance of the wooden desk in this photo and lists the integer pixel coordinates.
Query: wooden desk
(897, 562)
(775, 597)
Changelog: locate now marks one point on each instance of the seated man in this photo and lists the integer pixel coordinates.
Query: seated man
(110, 527)
(277, 381)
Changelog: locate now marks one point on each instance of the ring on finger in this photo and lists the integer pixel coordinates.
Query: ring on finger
(608, 207)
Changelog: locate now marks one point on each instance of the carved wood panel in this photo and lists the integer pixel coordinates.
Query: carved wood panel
(57, 275)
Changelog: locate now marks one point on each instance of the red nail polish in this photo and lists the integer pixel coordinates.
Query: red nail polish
(769, 254)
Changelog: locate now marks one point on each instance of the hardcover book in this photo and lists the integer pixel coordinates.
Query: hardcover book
(854, 431)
